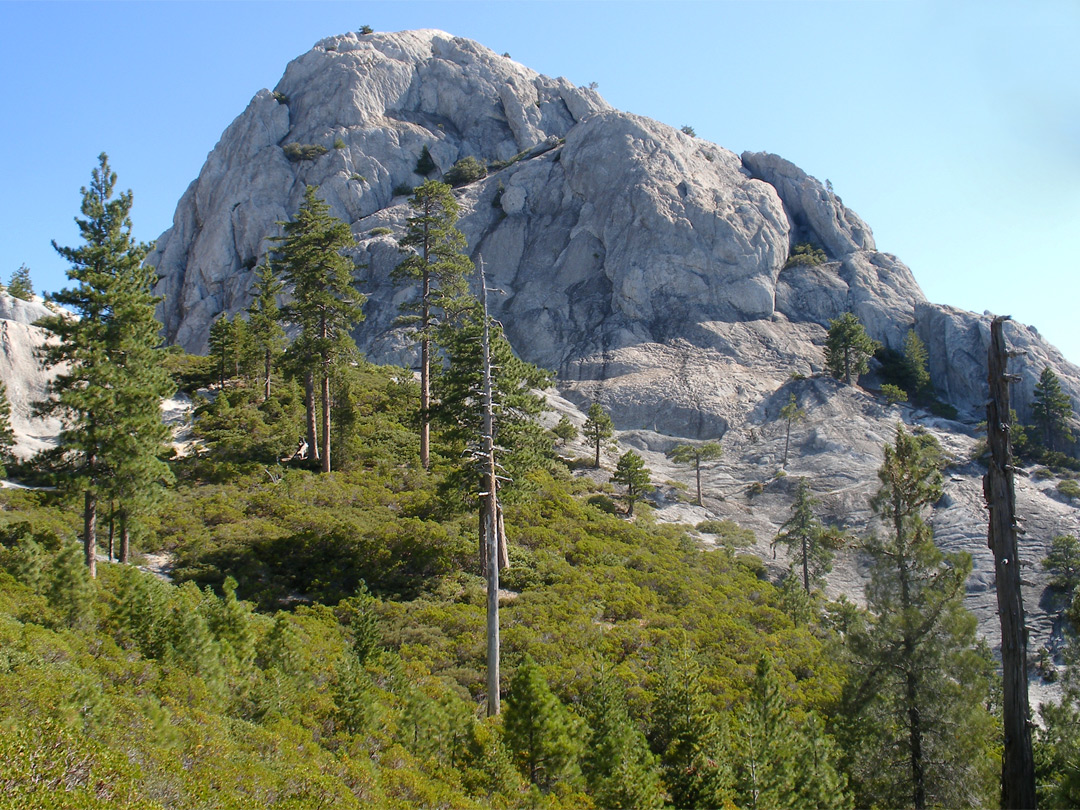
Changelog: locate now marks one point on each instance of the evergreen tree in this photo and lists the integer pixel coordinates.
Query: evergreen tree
(542, 734)
(685, 735)
(813, 543)
(619, 769)
(20, 285)
(1063, 563)
(848, 348)
(695, 454)
(7, 435)
(264, 316)
(598, 426)
(632, 473)
(435, 257)
(425, 164)
(565, 430)
(920, 727)
(109, 395)
(780, 763)
(1052, 410)
(223, 346)
(790, 413)
(325, 303)
(457, 401)
(916, 377)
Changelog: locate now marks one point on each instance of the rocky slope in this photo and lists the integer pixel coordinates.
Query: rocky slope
(645, 266)
(23, 375)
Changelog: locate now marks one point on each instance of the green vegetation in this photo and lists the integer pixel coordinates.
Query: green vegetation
(812, 544)
(790, 413)
(297, 152)
(1063, 563)
(695, 454)
(425, 164)
(686, 129)
(434, 257)
(20, 285)
(7, 435)
(339, 143)
(465, 171)
(1052, 411)
(380, 231)
(598, 427)
(565, 430)
(893, 393)
(805, 253)
(280, 98)
(1069, 488)
(848, 348)
(631, 472)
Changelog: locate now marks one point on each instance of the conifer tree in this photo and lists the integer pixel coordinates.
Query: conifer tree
(790, 413)
(848, 348)
(543, 735)
(435, 258)
(695, 454)
(916, 376)
(7, 435)
(264, 316)
(598, 426)
(109, 395)
(20, 286)
(619, 768)
(684, 733)
(920, 725)
(779, 762)
(1052, 410)
(222, 344)
(632, 473)
(325, 303)
(814, 543)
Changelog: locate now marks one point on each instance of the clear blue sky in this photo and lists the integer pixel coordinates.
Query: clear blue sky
(952, 128)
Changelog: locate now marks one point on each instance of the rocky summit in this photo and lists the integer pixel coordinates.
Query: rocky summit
(648, 268)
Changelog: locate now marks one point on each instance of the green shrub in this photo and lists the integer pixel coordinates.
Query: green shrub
(359, 178)
(380, 231)
(502, 164)
(296, 152)
(1069, 488)
(280, 98)
(942, 409)
(466, 170)
(1043, 473)
(893, 393)
(366, 29)
(728, 532)
(339, 143)
(686, 129)
(755, 488)
(425, 164)
(403, 190)
(806, 254)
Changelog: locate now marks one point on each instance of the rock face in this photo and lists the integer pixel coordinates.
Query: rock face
(645, 266)
(23, 375)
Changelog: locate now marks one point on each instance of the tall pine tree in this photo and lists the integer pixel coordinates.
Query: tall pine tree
(1052, 410)
(435, 258)
(325, 303)
(264, 316)
(108, 393)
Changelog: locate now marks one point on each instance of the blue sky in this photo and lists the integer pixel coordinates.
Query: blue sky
(952, 128)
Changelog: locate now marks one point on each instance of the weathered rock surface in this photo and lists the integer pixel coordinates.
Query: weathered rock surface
(646, 267)
(23, 375)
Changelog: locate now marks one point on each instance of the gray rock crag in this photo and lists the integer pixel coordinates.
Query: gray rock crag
(645, 266)
(23, 375)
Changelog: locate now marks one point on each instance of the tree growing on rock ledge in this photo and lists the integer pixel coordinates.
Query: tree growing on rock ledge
(597, 427)
(848, 348)
(695, 454)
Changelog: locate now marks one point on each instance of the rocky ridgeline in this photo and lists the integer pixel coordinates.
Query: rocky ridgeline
(643, 265)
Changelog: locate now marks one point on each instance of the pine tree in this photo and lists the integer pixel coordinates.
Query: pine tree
(20, 285)
(7, 435)
(598, 426)
(790, 413)
(848, 348)
(109, 393)
(1052, 411)
(695, 454)
(685, 735)
(812, 542)
(543, 735)
(920, 727)
(1063, 563)
(619, 769)
(222, 343)
(264, 316)
(632, 473)
(325, 303)
(435, 257)
(779, 762)
(916, 377)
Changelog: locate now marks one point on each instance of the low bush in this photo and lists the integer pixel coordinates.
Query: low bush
(1069, 488)
(380, 231)
(467, 170)
(296, 152)
(806, 254)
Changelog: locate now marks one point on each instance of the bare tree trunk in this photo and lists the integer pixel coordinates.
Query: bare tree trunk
(125, 537)
(90, 532)
(112, 516)
(325, 457)
(918, 775)
(425, 374)
(266, 371)
(697, 468)
(1017, 762)
(309, 405)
